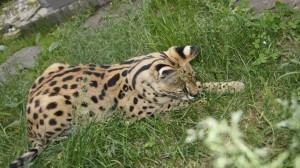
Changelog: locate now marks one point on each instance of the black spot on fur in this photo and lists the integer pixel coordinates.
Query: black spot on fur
(94, 99)
(52, 94)
(131, 108)
(76, 94)
(70, 77)
(140, 112)
(121, 95)
(65, 86)
(145, 107)
(102, 75)
(74, 70)
(84, 104)
(50, 133)
(41, 122)
(87, 72)
(116, 100)
(51, 105)
(29, 122)
(67, 97)
(45, 115)
(30, 100)
(35, 116)
(52, 121)
(28, 110)
(94, 84)
(52, 83)
(105, 87)
(125, 88)
(41, 79)
(113, 80)
(102, 108)
(68, 102)
(36, 103)
(135, 100)
(61, 67)
(59, 113)
(97, 74)
(140, 96)
(33, 86)
(74, 86)
(105, 66)
(124, 73)
(102, 95)
(57, 129)
(169, 105)
(56, 89)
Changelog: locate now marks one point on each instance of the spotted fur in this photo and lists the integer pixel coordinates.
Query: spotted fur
(143, 86)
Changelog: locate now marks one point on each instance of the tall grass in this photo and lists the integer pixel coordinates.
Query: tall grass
(236, 45)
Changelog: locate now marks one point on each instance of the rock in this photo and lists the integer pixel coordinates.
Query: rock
(40, 13)
(11, 33)
(261, 5)
(20, 60)
(54, 4)
(23, 12)
(6, 27)
(97, 19)
(26, 15)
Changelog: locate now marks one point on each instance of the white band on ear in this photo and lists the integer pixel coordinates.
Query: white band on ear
(162, 70)
(187, 50)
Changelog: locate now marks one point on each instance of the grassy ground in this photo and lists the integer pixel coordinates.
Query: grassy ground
(261, 50)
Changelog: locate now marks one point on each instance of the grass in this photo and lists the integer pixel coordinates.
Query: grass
(261, 50)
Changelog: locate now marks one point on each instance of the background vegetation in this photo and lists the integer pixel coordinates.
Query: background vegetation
(262, 50)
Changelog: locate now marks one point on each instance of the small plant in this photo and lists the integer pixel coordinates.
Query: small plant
(268, 27)
(225, 140)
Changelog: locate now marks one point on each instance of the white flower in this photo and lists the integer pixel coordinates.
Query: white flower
(264, 42)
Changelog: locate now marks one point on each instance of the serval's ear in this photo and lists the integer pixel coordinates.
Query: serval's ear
(183, 54)
(161, 71)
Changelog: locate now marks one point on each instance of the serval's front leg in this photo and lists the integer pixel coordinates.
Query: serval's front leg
(221, 87)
